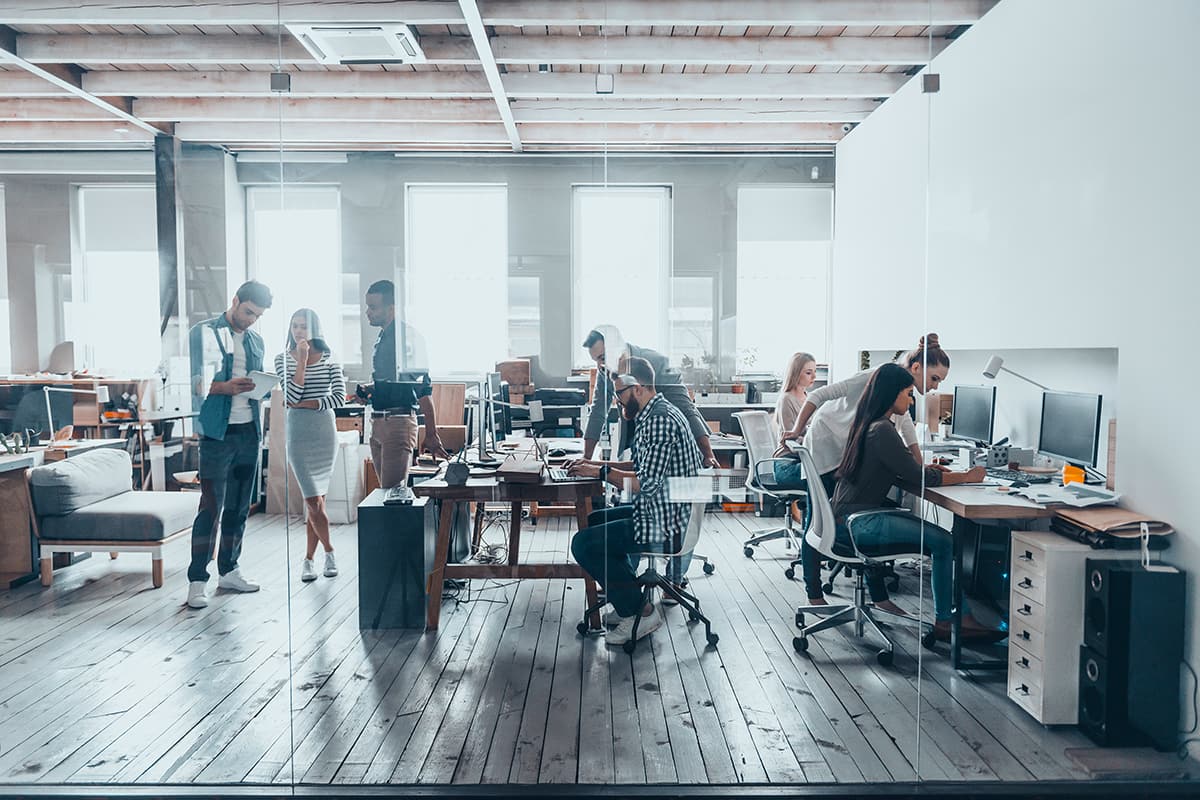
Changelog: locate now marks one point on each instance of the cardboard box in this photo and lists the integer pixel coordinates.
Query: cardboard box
(515, 371)
(454, 437)
(937, 405)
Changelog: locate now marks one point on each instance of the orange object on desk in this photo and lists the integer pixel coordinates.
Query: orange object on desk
(1072, 474)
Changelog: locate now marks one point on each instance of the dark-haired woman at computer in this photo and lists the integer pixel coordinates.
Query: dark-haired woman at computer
(315, 385)
(824, 423)
(874, 461)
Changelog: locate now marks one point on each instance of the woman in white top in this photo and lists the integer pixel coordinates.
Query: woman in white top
(315, 386)
(825, 422)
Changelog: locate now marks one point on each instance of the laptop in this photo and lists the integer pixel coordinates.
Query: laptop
(557, 474)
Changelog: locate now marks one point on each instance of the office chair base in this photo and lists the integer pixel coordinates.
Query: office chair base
(650, 580)
(858, 612)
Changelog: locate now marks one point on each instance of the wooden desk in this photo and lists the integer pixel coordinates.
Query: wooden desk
(490, 490)
(970, 504)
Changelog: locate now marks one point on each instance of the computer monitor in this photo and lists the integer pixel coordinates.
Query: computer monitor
(974, 414)
(1070, 427)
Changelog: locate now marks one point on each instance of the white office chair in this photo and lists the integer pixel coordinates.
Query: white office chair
(822, 535)
(651, 579)
(761, 441)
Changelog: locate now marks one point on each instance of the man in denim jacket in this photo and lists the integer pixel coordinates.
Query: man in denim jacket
(224, 351)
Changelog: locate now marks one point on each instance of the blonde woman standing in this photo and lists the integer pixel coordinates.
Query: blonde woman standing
(315, 385)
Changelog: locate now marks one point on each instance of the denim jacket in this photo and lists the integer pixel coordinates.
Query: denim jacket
(207, 345)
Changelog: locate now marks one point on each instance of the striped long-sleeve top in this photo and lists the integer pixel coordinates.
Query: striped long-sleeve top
(323, 381)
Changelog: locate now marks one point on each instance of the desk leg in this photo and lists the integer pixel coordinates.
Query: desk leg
(514, 534)
(583, 507)
(433, 589)
(960, 532)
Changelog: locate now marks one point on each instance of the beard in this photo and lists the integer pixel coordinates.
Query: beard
(630, 408)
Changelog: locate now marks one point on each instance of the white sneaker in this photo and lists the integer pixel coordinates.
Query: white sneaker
(330, 566)
(197, 597)
(612, 619)
(308, 570)
(234, 580)
(624, 631)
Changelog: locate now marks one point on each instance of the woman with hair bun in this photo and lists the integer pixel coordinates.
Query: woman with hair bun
(824, 423)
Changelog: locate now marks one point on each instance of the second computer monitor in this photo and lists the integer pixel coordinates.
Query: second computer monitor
(1070, 427)
(974, 413)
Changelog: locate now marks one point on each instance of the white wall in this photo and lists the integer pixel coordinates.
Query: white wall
(1063, 179)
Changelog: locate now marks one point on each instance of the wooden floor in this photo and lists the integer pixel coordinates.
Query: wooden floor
(104, 679)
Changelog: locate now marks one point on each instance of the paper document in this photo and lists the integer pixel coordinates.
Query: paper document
(1073, 494)
(264, 382)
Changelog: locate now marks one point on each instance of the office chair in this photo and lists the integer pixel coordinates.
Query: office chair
(822, 535)
(651, 579)
(761, 440)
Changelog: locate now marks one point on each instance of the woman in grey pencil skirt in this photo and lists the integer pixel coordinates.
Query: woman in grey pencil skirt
(314, 386)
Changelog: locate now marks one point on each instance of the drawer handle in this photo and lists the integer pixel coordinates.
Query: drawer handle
(1025, 583)
(1025, 635)
(1023, 689)
(1022, 662)
(1026, 556)
(1025, 611)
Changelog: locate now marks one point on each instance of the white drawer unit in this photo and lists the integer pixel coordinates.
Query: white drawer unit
(1045, 613)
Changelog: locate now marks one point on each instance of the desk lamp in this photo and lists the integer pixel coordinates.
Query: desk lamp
(995, 366)
(101, 393)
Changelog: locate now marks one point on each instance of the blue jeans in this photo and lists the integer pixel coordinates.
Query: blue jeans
(604, 551)
(891, 534)
(676, 567)
(227, 471)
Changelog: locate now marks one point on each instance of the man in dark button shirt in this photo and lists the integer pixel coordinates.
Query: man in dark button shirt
(393, 418)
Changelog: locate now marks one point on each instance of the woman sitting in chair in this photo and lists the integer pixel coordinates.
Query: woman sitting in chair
(875, 460)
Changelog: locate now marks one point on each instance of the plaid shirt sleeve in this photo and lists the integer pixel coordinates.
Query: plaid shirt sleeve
(665, 449)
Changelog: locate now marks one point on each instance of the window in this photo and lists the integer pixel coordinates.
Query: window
(784, 242)
(295, 248)
(456, 274)
(621, 259)
(524, 315)
(5, 319)
(114, 316)
(692, 306)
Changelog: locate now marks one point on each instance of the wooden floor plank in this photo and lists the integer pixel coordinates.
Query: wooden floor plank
(103, 679)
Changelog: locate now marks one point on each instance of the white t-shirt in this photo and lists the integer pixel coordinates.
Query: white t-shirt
(829, 427)
(240, 411)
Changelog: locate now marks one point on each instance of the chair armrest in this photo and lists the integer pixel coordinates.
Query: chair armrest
(754, 473)
(858, 516)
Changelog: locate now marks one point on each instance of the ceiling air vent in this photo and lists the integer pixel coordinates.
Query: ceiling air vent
(360, 44)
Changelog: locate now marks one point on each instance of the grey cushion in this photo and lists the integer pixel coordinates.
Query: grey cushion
(66, 486)
(129, 517)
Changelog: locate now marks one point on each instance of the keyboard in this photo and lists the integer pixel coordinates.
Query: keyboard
(1016, 475)
(399, 496)
(560, 475)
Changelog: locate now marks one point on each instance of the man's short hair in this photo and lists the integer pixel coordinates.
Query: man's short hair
(592, 338)
(640, 370)
(385, 289)
(254, 292)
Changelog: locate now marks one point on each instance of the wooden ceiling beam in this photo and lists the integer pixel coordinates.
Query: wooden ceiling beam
(353, 110)
(294, 133)
(242, 12)
(73, 133)
(169, 83)
(532, 85)
(14, 83)
(691, 111)
(735, 13)
(55, 109)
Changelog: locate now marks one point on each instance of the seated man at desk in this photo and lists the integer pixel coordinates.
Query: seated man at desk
(875, 459)
(609, 350)
(663, 448)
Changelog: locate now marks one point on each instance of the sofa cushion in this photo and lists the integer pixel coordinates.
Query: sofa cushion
(128, 517)
(66, 486)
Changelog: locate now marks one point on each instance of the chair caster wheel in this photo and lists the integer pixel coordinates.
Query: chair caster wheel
(748, 551)
(827, 587)
(629, 646)
(893, 585)
(928, 640)
(790, 574)
(713, 639)
(693, 616)
(582, 628)
(683, 583)
(709, 568)
(799, 619)
(884, 657)
(800, 643)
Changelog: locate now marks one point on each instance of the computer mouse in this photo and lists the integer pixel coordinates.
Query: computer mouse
(556, 452)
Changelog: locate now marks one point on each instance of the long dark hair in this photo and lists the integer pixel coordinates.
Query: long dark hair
(880, 395)
(316, 335)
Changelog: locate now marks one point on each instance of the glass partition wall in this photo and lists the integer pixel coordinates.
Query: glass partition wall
(425, 313)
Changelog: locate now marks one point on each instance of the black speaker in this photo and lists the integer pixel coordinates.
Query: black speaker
(1129, 662)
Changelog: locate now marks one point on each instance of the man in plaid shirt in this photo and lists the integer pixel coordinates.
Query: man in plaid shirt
(663, 448)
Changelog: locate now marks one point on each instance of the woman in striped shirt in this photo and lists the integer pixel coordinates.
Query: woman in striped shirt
(314, 386)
